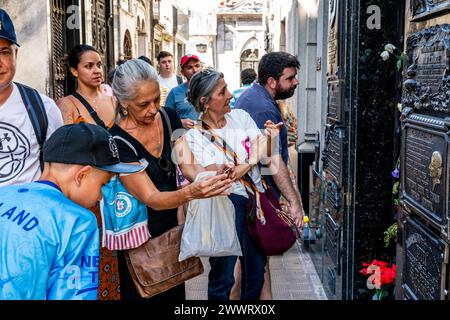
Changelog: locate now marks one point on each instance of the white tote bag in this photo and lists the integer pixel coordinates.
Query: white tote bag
(210, 228)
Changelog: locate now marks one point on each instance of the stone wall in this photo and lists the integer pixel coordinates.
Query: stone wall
(32, 27)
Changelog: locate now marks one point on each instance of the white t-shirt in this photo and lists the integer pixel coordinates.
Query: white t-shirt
(239, 131)
(19, 148)
(169, 83)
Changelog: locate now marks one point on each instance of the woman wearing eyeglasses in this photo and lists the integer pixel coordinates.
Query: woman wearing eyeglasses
(222, 136)
(141, 123)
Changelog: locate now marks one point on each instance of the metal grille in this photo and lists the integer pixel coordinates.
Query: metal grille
(58, 18)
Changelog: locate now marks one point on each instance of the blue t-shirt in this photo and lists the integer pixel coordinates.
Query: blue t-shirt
(237, 93)
(262, 107)
(49, 245)
(177, 100)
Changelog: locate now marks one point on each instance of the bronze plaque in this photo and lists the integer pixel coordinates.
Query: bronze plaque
(425, 9)
(335, 101)
(333, 40)
(427, 88)
(425, 174)
(333, 240)
(333, 152)
(425, 262)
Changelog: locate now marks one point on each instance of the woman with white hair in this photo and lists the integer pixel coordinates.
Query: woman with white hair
(222, 136)
(140, 122)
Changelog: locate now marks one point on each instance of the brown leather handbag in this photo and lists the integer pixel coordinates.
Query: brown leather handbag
(155, 268)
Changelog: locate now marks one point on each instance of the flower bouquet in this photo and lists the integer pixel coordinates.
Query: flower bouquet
(381, 277)
(391, 49)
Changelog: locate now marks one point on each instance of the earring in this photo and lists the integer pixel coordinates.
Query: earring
(125, 111)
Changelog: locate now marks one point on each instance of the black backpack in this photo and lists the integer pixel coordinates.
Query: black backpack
(38, 116)
(179, 80)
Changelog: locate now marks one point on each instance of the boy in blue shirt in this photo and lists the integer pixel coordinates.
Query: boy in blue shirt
(49, 241)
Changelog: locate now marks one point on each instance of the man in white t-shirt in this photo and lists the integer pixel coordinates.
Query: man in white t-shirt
(19, 145)
(167, 76)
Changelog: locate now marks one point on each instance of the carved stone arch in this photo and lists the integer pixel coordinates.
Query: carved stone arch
(127, 46)
(250, 54)
(252, 43)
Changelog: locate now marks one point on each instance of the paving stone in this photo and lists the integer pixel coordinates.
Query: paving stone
(293, 277)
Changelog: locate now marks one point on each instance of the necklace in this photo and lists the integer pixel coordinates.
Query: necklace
(94, 100)
(159, 137)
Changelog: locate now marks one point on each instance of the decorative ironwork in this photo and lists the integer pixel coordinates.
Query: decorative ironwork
(331, 280)
(424, 9)
(333, 241)
(99, 29)
(427, 88)
(58, 20)
(333, 150)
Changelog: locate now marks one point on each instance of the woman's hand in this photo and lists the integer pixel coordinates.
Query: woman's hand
(258, 150)
(272, 130)
(229, 169)
(213, 186)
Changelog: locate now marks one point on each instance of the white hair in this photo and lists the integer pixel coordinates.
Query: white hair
(128, 76)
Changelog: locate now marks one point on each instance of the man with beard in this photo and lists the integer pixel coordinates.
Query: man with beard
(276, 81)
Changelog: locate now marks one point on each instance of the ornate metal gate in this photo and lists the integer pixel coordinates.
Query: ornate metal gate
(58, 48)
(101, 25)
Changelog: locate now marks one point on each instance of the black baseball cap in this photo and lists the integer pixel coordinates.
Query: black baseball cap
(7, 28)
(86, 144)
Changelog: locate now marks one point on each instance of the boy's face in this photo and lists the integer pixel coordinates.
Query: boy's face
(88, 184)
(166, 66)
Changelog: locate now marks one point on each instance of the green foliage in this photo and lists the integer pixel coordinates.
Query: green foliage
(390, 234)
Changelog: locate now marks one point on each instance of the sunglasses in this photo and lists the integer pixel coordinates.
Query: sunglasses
(166, 166)
(207, 71)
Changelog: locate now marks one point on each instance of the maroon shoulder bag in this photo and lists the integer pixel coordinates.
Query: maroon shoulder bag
(272, 230)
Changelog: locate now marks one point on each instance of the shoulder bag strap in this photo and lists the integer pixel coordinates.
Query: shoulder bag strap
(91, 110)
(169, 124)
(37, 114)
(223, 146)
(142, 161)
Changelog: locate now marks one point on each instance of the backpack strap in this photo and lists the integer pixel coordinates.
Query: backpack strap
(37, 114)
(179, 80)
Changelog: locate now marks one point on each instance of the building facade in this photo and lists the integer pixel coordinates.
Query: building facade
(240, 37)
(118, 29)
